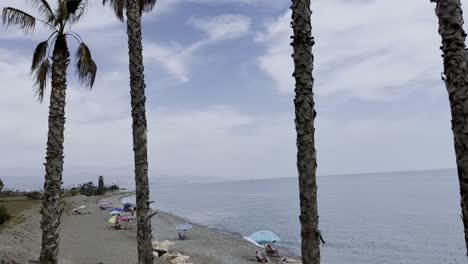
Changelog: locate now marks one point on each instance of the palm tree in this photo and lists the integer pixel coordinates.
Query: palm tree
(302, 42)
(455, 57)
(134, 10)
(67, 13)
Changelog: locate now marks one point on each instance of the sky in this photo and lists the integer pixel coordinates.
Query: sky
(220, 93)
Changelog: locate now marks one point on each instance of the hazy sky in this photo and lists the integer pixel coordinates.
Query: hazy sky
(220, 92)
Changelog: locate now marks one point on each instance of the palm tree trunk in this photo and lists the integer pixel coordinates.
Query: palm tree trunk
(453, 36)
(305, 114)
(52, 208)
(137, 91)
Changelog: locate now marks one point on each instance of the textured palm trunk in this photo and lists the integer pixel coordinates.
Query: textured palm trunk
(453, 36)
(137, 92)
(305, 114)
(52, 205)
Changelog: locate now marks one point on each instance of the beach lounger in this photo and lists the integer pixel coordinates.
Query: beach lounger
(76, 211)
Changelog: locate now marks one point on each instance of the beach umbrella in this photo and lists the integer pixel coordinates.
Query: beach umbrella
(112, 219)
(184, 227)
(264, 236)
(127, 205)
(253, 241)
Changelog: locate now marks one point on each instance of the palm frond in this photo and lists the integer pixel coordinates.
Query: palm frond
(39, 54)
(13, 16)
(44, 9)
(61, 13)
(147, 5)
(76, 9)
(118, 6)
(85, 66)
(42, 73)
(73, 5)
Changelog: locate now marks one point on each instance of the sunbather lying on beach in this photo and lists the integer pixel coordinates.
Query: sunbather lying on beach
(260, 257)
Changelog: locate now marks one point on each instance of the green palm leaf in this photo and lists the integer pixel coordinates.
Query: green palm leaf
(85, 66)
(39, 54)
(76, 9)
(147, 5)
(42, 73)
(119, 6)
(13, 16)
(44, 9)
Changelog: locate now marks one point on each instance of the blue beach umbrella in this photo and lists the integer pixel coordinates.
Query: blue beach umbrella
(184, 227)
(264, 237)
(127, 205)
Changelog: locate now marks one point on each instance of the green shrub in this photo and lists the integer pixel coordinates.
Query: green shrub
(34, 195)
(114, 187)
(88, 189)
(4, 215)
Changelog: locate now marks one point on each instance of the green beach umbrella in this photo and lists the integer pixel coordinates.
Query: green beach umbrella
(112, 219)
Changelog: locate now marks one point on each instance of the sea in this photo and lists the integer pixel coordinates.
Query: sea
(375, 218)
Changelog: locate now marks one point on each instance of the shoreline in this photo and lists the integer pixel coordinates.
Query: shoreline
(232, 235)
(82, 238)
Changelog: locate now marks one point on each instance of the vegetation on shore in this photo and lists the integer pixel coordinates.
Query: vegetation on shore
(13, 202)
(11, 209)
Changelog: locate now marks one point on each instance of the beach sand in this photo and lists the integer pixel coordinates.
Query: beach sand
(87, 239)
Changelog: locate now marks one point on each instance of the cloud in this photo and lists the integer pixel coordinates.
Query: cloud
(170, 5)
(173, 58)
(398, 47)
(223, 27)
(177, 59)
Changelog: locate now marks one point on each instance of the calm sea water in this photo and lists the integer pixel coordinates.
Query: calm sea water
(411, 217)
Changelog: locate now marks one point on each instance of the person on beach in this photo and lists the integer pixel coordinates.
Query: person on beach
(270, 251)
(260, 257)
(117, 225)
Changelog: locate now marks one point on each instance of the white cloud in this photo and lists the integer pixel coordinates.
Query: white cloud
(223, 27)
(177, 59)
(172, 58)
(353, 39)
(170, 5)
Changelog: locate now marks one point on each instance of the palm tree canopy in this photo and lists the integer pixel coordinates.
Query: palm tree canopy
(119, 6)
(66, 12)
